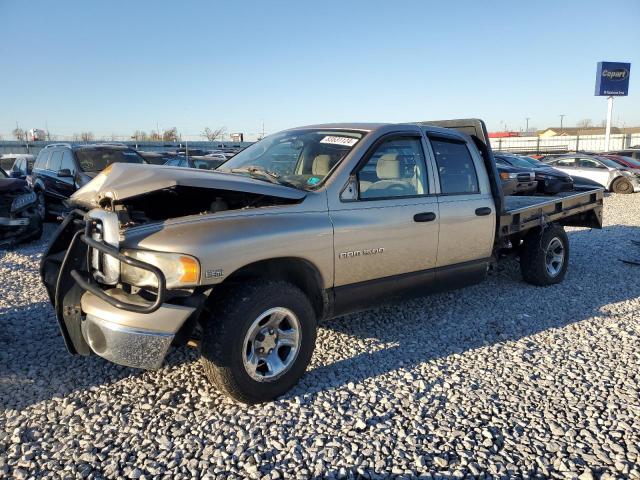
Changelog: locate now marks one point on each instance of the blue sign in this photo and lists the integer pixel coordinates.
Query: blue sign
(612, 79)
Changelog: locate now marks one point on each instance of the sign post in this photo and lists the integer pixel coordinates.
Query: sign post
(612, 80)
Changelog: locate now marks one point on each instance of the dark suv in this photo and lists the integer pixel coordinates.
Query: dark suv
(60, 169)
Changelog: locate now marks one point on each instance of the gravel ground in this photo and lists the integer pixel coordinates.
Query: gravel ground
(498, 380)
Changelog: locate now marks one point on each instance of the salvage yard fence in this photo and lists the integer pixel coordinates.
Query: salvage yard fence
(565, 143)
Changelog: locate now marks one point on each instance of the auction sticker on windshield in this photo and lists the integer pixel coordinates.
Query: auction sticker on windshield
(334, 140)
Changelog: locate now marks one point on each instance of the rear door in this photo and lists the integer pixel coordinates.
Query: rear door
(465, 202)
(387, 236)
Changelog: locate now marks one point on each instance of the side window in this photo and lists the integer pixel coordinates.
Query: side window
(172, 163)
(396, 169)
(67, 161)
(589, 163)
(43, 158)
(455, 167)
(55, 161)
(564, 162)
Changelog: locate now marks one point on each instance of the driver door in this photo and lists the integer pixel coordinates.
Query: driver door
(386, 240)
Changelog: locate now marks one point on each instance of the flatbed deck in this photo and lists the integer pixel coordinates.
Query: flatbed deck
(522, 213)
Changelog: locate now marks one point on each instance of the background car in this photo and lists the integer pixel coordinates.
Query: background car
(60, 169)
(629, 162)
(157, 158)
(207, 162)
(606, 172)
(22, 166)
(524, 177)
(20, 218)
(633, 152)
(549, 179)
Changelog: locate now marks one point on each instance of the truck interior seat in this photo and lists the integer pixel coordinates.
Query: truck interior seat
(321, 165)
(391, 183)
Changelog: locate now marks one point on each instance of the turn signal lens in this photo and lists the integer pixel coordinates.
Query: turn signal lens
(190, 270)
(504, 175)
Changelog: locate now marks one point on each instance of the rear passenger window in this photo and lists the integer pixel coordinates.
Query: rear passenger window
(396, 169)
(455, 166)
(55, 161)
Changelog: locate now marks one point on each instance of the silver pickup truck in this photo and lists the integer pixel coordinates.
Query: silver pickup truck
(307, 224)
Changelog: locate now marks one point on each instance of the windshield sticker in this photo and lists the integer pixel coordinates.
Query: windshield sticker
(346, 141)
(313, 180)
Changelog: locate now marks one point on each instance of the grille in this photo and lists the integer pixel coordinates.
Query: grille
(524, 177)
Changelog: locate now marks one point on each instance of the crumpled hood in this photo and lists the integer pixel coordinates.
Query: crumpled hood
(126, 180)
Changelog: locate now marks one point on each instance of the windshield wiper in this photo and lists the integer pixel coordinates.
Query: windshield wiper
(257, 171)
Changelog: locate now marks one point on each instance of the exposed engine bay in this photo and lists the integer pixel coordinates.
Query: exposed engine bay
(181, 201)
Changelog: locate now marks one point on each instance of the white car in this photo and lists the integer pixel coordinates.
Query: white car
(611, 175)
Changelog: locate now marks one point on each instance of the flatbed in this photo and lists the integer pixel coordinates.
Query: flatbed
(522, 213)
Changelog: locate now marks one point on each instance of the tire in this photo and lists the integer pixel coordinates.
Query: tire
(229, 344)
(621, 185)
(544, 256)
(42, 206)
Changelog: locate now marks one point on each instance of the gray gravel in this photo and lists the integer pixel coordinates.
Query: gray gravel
(499, 380)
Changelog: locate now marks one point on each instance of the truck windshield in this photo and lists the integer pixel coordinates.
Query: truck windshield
(97, 159)
(298, 158)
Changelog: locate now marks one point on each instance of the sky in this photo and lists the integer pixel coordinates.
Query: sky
(116, 66)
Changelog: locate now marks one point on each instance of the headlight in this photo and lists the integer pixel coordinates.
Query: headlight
(507, 176)
(23, 201)
(179, 270)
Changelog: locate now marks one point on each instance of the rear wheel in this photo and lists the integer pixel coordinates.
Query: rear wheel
(622, 185)
(259, 340)
(544, 256)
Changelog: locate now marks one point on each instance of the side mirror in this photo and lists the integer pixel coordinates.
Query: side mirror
(350, 191)
(65, 173)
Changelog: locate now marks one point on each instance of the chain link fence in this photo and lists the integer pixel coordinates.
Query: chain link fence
(564, 143)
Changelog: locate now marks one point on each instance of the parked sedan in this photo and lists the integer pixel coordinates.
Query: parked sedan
(629, 162)
(208, 162)
(606, 172)
(549, 179)
(524, 178)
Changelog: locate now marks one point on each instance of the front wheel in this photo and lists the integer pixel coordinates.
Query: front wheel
(544, 255)
(259, 340)
(622, 185)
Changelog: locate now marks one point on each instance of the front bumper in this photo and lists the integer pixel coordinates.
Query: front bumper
(95, 318)
(24, 225)
(139, 340)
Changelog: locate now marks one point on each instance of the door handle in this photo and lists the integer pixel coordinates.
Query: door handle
(424, 217)
(481, 212)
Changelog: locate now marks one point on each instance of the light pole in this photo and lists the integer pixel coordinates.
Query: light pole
(527, 119)
(561, 119)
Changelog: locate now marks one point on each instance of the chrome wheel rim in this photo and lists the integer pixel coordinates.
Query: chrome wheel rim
(554, 257)
(271, 344)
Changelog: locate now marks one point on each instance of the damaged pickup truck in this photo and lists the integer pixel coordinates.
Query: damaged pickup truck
(307, 224)
(20, 216)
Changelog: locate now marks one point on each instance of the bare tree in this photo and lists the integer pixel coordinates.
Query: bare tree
(140, 136)
(19, 134)
(86, 136)
(170, 135)
(585, 123)
(211, 135)
(155, 135)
